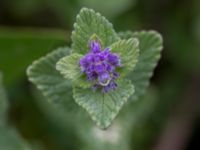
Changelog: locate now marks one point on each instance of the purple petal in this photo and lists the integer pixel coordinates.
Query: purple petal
(104, 79)
(110, 86)
(99, 68)
(114, 59)
(89, 58)
(91, 76)
(97, 59)
(115, 75)
(95, 47)
(90, 68)
(109, 67)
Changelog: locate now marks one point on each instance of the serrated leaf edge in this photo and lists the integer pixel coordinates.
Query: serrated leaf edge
(75, 25)
(113, 116)
(36, 62)
(158, 49)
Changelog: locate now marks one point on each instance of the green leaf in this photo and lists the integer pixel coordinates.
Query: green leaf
(87, 24)
(104, 107)
(150, 46)
(128, 50)
(69, 68)
(49, 81)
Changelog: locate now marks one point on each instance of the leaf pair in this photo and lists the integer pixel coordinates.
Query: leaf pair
(102, 107)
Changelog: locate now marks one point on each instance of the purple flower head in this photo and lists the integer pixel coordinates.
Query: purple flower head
(100, 67)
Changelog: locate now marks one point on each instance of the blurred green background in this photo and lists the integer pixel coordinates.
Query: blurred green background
(167, 118)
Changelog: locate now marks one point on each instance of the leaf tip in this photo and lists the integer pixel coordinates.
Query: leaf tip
(157, 35)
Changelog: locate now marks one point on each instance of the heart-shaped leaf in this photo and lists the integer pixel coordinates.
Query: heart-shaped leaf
(87, 24)
(103, 107)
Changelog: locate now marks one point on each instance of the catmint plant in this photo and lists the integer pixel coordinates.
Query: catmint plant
(102, 69)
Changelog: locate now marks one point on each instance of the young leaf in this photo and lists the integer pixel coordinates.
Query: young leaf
(128, 50)
(103, 107)
(87, 24)
(53, 86)
(69, 68)
(150, 47)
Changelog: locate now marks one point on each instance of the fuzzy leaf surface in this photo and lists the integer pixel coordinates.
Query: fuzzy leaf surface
(150, 46)
(104, 107)
(88, 23)
(128, 50)
(69, 68)
(49, 81)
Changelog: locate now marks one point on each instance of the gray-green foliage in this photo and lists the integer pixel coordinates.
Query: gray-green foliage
(150, 51)
(73, 71)
(44, 74)
(87, 24)
(128, 50)
(139, 52)
(103, 107)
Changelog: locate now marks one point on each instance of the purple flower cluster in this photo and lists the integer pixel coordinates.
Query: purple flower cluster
(100, 67)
